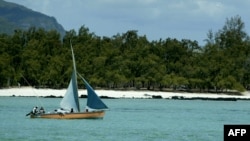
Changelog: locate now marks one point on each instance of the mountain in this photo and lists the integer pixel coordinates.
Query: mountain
(14, 16)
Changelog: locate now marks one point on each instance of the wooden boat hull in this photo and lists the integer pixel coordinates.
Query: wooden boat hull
(80, 115)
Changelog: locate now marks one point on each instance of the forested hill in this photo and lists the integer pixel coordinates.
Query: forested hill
(14, 16)
(128, 61)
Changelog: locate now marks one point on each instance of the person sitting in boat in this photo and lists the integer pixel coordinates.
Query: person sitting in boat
(41, 111)
(34, 111)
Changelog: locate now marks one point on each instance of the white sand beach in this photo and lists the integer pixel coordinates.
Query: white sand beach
(29, 91)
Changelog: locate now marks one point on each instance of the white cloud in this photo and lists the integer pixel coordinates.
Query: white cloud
(210, 8)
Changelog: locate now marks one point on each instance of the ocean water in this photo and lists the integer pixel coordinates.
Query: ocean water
(127, 120)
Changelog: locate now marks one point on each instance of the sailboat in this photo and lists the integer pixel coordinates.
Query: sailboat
(69, 105)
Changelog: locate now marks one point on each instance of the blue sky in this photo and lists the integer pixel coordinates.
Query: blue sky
(181, 19)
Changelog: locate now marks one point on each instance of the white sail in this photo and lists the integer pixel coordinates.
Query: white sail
(70, 99)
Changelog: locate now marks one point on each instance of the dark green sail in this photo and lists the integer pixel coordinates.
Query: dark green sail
(93, 101)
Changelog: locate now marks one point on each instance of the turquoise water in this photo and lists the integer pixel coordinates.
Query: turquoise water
(127, 120)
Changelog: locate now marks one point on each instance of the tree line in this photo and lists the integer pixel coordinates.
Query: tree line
(41, 58)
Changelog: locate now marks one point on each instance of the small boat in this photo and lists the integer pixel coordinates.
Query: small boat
(69, 105)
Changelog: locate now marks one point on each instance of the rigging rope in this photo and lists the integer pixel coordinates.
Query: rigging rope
(33, 91)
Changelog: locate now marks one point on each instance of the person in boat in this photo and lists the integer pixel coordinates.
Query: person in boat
(72, 110)
(34, 111)
(41, 111)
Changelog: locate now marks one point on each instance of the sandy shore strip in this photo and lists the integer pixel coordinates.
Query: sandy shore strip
(29, 91)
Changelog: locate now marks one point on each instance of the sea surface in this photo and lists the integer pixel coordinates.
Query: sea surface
(127, 120)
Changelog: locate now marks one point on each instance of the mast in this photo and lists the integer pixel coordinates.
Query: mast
(75, 90)
(73, 59)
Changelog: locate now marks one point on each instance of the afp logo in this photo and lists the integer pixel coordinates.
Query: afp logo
(236, 132)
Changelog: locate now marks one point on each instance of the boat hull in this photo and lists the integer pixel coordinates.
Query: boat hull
(80, 115)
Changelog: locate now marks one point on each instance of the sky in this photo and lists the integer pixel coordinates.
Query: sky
(157, 19)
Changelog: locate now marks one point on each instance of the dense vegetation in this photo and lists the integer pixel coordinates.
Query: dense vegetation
(40, 58)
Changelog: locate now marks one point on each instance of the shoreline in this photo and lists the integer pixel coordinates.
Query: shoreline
(119, 94)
